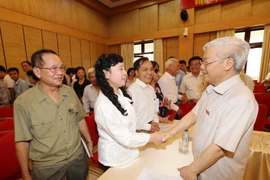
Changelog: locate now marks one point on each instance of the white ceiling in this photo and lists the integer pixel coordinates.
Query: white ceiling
(115, 3)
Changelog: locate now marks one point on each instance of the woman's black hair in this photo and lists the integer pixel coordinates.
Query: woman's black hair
(105, 62)
(129, 70)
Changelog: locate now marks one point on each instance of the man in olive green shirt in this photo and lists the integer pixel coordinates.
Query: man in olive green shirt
(49, 119)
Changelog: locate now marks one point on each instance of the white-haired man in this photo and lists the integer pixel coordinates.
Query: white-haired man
(168, 85)
(224, 115)
(91, 91)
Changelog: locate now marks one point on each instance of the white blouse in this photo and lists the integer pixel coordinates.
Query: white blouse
(118, 141)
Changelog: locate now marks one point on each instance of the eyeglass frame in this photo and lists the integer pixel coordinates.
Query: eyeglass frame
(54, 69)
(207, 63)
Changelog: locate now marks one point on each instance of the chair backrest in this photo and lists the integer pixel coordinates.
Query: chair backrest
(92, 128)
(186, 108)
(6, 126)
(261, 117)
(9, 165)
(171, 114)
(6, 112)
(259, 88)
(264, 99)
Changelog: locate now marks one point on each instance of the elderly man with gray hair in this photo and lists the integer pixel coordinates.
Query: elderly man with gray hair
(168, 85)
(224, 115)
(91, 91)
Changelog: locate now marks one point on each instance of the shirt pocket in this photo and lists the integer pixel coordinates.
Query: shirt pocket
(43, 127)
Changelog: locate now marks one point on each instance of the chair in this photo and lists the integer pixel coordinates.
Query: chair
(261, 118)
(259, 88)
(92, 128)
(264, 99)
(171, 114)
(6, 126)
(10, 169)
(6, 112)
(186, 108)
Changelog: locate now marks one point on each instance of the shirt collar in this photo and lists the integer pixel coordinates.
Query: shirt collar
(142, 84)
(225, 85)
(41, 95)
(18, 81)
(169, 76)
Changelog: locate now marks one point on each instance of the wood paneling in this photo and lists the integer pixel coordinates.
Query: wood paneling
(68, 13)
(2, 56)
(13, 42)
(131, 18)
(85, 49)
(207, 14)
(149, 19)
(50, 41)
(101, 49)
(93, 53)
(33, 41)
(168, 16)
(64, 49)
(75, 47)
(260, 7)
(235, 10)
(172, 46)
(114, 49)
(199, 41)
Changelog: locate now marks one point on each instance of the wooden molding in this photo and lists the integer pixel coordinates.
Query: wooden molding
(26, 20)
(96, 5)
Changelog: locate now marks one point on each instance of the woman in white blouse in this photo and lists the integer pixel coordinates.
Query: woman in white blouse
(115, 116)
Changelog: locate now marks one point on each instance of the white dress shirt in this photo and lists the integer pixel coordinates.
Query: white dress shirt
(145, 104)
(118, 141)
(226, 116)
(169, 89)
(193, 86)
(89, 98)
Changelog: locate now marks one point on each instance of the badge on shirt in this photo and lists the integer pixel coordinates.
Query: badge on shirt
(207, 112)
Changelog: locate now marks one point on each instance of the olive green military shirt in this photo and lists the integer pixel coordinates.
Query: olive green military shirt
(51, 128)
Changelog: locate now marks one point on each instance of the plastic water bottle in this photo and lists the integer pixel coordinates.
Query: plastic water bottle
(184, 143)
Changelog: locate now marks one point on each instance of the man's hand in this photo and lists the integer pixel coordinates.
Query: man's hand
(167, 136)
(184, 99)
(186, 173)
(157, 137)
(154, 127)
(193, 101)
(179, 113)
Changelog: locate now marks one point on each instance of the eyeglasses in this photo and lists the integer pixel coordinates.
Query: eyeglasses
(207, 63)
(55, 69)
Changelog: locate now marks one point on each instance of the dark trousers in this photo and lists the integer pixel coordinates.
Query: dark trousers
(76, 169)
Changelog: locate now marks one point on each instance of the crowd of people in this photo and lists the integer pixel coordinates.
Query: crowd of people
(128, 109)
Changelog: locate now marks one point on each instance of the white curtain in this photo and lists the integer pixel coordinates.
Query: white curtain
(158, 53)
(127, 52)
(265, 53)
(228, 32)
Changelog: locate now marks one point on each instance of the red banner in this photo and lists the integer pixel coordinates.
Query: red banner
(185, 4)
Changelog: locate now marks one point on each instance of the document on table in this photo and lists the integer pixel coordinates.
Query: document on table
(147, 174)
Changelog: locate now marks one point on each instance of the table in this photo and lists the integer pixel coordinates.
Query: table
(160, 158)
(166, 159)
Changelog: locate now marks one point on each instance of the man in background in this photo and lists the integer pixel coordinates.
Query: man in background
(27, 66)
(20, 84)
(9, 83)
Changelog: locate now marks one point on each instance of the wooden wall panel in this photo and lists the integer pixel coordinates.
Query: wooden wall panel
(75, 47)
(114, 49)
(101, 49)
(64, 49)
(199, 41)
(168, 15)
(171, 47)
(260, 7)
(207, 14)
(131, 18)
(2, 57)
(116, 26)
(50, 41)
(33, 41)
(93, 53)
(13, 42)
(85, 50)
(149, 19)
(233, 10)
(69, 13)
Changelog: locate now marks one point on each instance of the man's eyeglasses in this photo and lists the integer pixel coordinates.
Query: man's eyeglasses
(55, 69)
(207, 63)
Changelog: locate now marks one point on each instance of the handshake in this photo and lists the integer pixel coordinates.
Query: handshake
(160, 137)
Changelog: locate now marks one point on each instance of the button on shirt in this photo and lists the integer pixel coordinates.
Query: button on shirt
(52, 128)
(89, 98)
(118, 141)
(145, 104)
(193, 86)
(169, 89)
(226, 115)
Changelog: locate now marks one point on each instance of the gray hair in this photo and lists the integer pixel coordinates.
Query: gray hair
(170, 61)
(91, 70)
(237, 49)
